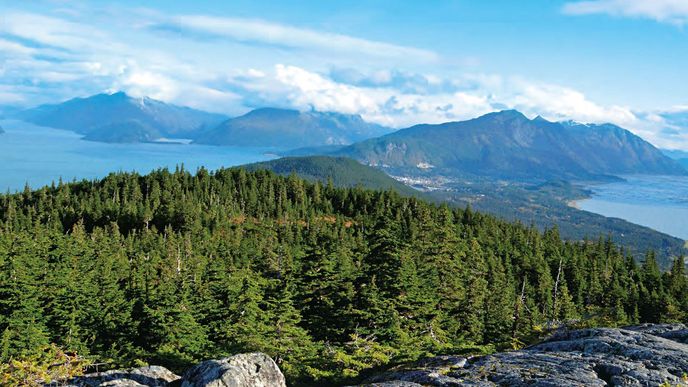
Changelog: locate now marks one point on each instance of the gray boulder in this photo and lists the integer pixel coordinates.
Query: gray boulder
(646, 355)
(151, 376)
(244, 370)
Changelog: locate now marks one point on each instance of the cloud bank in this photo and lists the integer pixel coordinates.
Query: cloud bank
(279, 35)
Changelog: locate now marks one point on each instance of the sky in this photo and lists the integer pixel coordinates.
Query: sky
(396, 63)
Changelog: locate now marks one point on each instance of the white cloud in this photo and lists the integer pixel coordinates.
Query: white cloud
(259, 31)
(666, 128)
(311, 89)
(10, 96)
(296, 87)
(8, 48)
(142, 83)
(561, 103)
(61, 57)
(666, 11)
(52, 31)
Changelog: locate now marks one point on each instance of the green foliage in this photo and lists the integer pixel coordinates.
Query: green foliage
(48, 364)
(171, 268)
(340, 171)
(551, 204)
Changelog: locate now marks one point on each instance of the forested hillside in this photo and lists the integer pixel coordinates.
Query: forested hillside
(171, 268)
(339, 171)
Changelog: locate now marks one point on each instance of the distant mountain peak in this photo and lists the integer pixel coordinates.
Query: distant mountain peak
(271, 111)
(144, 101)
(111, 95)
(284, 112)
(573, 123)
(123, 96)
(508, 145)
(505, 115)
(118, 117)
(288, 128)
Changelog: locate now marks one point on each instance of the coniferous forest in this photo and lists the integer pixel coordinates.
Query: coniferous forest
(172, 268)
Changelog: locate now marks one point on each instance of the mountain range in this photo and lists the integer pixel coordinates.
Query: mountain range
(119, 117)
(504, 144)
(508, 145)
(282, 128)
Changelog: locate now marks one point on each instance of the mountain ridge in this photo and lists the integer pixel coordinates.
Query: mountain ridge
(288, 129)
(507, 144)
(341, 171)
(680, 156)
(104, 117)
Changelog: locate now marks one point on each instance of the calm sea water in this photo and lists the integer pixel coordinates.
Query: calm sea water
(38, 156)
(658, 202)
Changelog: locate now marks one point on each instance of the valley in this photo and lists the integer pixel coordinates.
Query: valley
(549, 204)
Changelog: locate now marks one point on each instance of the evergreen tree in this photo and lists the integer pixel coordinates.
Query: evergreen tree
(172, 267)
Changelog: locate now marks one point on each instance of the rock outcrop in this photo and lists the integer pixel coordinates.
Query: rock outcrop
(151, 376)
(643, 355)
(244, 370)
(646, 355)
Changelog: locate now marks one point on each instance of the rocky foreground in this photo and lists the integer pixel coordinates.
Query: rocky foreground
(249, 369)
(645, 355)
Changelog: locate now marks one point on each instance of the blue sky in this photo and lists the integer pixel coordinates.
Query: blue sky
(394, 62)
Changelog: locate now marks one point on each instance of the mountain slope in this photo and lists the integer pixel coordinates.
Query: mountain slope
(343, 172)
(509, 145)
(271, 127)
(678, 155)
(121, 118)
(614, 150)
(130, 131)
